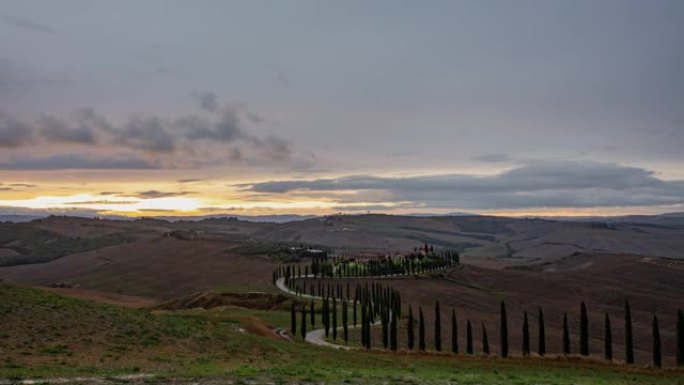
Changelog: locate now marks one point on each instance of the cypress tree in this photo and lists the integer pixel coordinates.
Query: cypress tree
(608, 339)
(326, 317)
(485, 341)
(584, 330)
(454, 332)
(303, 327)
(393, 332)
(293, 321)
(345, 323)
(354, 315)
(657, 354)
(525, 336)
(368, 328)
(363, 325)
(566, 335)
(410, 336)
(385, 330)
(421, 330)
(680, 338)
(438, 328)
(334, 319)
(469, 338)
(504, 331)
(542, 334)
(629, 339)
(313, 314)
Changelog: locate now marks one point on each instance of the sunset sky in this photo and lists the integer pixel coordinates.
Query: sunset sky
(166, 107)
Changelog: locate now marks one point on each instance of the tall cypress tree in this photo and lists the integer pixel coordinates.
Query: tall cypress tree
(313, 314)
(657, 354)
(354, 312)
(608, 339)
(303, 328)
(326, 317)
(438, 328)
(566, 335)
(421, 330)
(393, 332)
(584, 330)
(454, 332)
(334, 318)
(363, 324)
(369, 336)
(629, 339)
(542, 334)
(525, 336)
(410, 336)
(469, 338)
(385, 330)
(485, 341)
(345, 323)
(680, 338)
(504, 331)
(293, 321)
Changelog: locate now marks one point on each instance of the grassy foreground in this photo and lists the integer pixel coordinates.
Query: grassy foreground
(46, 335)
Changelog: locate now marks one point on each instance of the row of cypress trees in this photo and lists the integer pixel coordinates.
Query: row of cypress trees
(376, 300)
(541, 349)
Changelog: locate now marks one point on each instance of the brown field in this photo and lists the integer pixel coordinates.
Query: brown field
(159, 268)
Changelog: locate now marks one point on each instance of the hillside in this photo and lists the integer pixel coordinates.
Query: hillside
(69, 337)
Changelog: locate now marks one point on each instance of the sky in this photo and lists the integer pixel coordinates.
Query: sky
(166, 107)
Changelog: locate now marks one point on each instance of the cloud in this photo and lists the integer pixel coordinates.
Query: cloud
(147, 134)
(78, 161)
(161, 194)
(492, 158)
(101, 202)
(189, 180)
(13, 133)
(54, 129)
(547, 184)
(208, 101)
(174, 142)
(227, 129)
(29, 25)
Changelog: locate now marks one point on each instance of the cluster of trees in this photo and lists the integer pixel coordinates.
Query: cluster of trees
(322, 265)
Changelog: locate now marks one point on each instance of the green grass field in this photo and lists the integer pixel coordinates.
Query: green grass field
(45, 335)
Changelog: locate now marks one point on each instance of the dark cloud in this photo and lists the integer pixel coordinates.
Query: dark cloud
(492, 158)
(151, 134)
(208, 101)
(162, 194)
(227, 129)
(273, 148)
(54, 129)
(548, 184)
(78, 161)
(189, 180)
(14, 133)
(147, 134)
(110, 193)
(29, 25)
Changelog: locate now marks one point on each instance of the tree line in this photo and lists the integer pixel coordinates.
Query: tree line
(376, 304)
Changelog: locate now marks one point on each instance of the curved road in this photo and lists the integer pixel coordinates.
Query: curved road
(316, 336)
